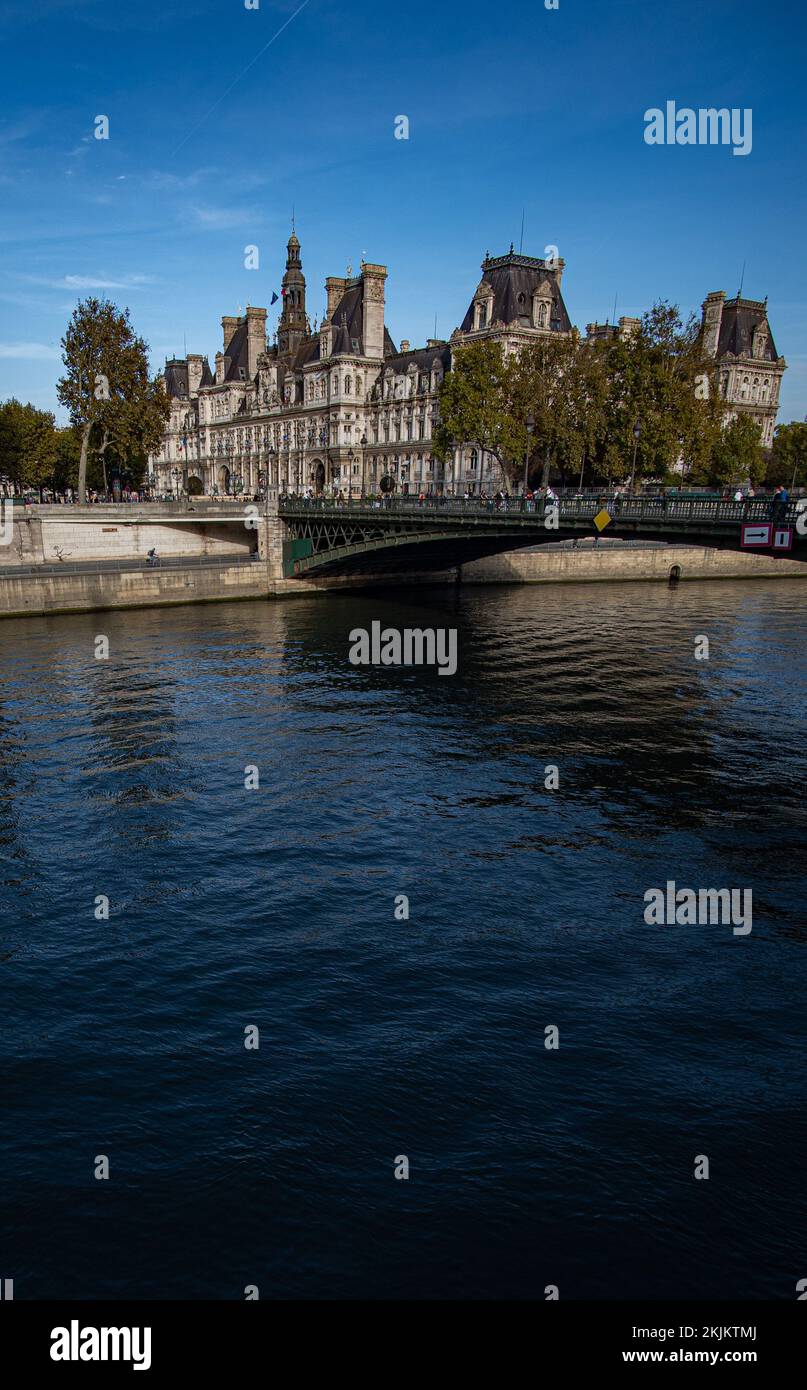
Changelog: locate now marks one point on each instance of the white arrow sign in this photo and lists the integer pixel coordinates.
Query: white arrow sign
(755, 536)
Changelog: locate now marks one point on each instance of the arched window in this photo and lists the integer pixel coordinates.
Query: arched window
(347, 385)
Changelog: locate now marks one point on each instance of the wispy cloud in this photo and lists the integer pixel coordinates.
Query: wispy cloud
(91, 282)
(221, 217)
(30, 352)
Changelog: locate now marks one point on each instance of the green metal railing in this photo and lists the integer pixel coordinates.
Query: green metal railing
(641, 509)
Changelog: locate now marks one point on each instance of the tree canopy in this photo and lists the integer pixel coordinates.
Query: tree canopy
(649, 393)
(28, 447)
(115, 406)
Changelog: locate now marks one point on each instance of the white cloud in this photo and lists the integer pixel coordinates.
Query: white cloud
(31, 352)
(90, 282)
(93, 282)
(220, 217)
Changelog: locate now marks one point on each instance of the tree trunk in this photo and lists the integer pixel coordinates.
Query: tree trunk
(82, 467)
(545, 474)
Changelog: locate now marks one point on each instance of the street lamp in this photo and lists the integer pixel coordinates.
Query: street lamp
(637, 433)
(363, 443)
(176, 474)
(350, 458)
(530, 424)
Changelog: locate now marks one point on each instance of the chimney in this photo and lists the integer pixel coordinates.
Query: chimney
(712, 319)
(335, 288)
(373, 277)
(228, 327)
(256, 338)
(195, 368)
(222, 367)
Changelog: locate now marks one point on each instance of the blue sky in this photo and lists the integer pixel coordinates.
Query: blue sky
(212, 141)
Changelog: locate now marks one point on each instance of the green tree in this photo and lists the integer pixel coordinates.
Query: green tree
(656, 379)
(114, 404)
(475, 404)
(28, 444)
(548, 391)
(738, 455)
(788, 463)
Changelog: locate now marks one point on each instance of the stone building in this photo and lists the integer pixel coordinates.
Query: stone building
(736, 333)
(338, 408)
(611, 332)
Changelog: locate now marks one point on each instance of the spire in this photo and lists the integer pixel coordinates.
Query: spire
(293, 323)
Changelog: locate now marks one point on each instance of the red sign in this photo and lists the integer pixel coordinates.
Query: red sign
(756, 537)
(783, 538)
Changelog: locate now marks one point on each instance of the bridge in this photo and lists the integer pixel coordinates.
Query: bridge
(326, 537)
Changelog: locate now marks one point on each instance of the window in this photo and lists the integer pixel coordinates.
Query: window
(474, 460)
(347, 385)
(481, 315)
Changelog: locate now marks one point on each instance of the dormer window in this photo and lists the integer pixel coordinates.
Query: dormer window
(481, 314)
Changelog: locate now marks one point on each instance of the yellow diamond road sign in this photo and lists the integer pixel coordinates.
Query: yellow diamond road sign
(602, 519)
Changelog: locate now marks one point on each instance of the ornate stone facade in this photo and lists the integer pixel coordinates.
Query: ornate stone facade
(338, 408)
(736, 333)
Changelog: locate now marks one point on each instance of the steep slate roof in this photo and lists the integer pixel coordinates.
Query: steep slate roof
(740, 318)
(176, 378)
(512, 276)
(207, 377)
(421, 357)
(348, 322)
(236, 350)
(308, 351)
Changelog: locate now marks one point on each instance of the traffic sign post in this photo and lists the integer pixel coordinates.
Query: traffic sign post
(756, 537)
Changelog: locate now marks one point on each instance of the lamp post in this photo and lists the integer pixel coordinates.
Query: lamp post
(363, 443)
(350, 458)
(637, 433)
(530, 425)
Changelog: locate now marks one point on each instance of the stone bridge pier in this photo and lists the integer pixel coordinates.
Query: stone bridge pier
(271, 534)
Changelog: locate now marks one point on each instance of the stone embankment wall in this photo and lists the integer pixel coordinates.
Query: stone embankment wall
(42, 539)
(603, 564)
(76, 593)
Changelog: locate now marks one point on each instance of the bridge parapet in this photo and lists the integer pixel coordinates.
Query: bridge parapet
(757, 509)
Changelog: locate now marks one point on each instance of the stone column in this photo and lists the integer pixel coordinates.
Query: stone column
(270, 537)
